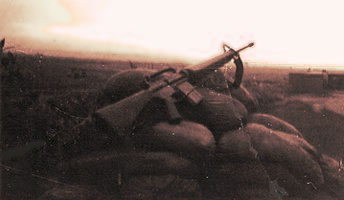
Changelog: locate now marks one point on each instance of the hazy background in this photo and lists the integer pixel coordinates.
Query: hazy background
(288, 32)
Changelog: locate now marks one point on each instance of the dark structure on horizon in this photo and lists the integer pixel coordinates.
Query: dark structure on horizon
(315, 82)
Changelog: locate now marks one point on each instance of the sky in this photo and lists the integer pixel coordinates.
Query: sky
(284, 32)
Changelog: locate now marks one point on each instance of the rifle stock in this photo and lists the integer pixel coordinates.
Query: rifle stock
(122, 114)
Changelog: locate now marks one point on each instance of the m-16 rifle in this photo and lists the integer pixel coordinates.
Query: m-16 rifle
(169, 85)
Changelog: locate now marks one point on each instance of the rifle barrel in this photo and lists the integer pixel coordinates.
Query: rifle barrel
(216, 62)
(245, 47)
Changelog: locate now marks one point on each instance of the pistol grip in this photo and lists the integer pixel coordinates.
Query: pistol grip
(174, 116)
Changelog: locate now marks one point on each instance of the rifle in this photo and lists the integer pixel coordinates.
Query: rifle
(169, 85)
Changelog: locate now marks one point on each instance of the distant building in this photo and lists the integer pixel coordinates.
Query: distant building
(306, 82)
(316, 82)
(336, 81)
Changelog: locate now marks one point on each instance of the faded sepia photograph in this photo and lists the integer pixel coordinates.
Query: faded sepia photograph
(171, 100)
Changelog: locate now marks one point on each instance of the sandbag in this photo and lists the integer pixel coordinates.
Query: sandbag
(283, 177)
(333, 187)
(292, 152)
(186, 138)
(246, 97)
(333, 174)
(235, 146)
(274, 123)
(236, 152)
(240, 109)
(333, 170)
(218, 112)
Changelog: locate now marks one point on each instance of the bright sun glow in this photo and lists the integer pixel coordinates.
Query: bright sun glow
(300, 32)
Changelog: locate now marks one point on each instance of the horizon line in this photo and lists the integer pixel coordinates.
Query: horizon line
(112, 56)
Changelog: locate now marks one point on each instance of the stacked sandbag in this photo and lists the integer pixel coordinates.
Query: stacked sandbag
(246, 98)
(285, 157)
(333, 171)
(238, 169)
(267, 146)
(291, 151)
(187, 139)
(218, 112)
(236, 146)
(274, 123)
